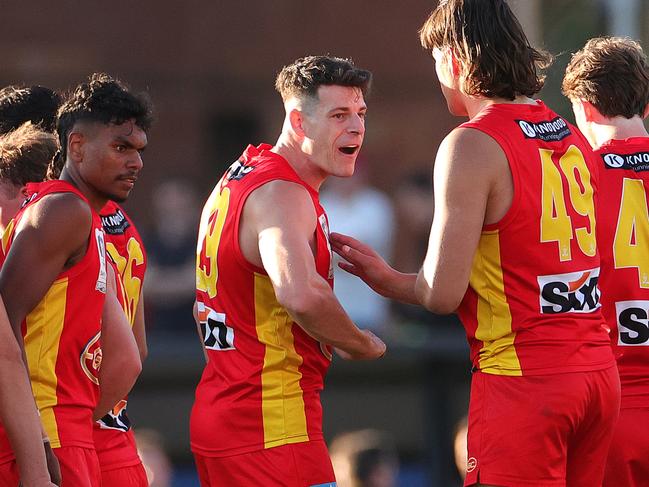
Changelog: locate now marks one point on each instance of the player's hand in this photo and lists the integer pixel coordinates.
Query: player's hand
(52, 464)
(374, 349)
(362, 261)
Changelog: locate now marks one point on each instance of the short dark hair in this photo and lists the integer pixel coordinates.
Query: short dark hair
(496, 58)
(304, 76)
(105, 100)
(612, 74)
(20, 104)
(25, 154)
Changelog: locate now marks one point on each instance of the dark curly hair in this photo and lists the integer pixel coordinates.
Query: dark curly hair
(101, 99)
(20, 104)
(304, 76)
(25, 154)
(496, 59)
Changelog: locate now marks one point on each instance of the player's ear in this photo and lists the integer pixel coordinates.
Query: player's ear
(296, 119)
(75, 146)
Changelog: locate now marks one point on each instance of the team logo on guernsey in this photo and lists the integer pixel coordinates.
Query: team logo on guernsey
(547, 130)
(574, 292)
(637, 162)
(29, 200)
(325, 229)
(471, 464)
(116, 418)
(237, 171)
(91, 359)
(115, 224)
(632, 323)
(216, 334)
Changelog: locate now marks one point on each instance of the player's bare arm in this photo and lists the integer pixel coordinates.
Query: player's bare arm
(277, 233)
(51, 237)
(121, 363)
(139, 330)
(469, 193)
(18, 411)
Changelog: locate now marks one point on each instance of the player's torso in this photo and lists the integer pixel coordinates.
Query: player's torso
(532, 306)
(261, 385)
(62, 336)
(113, 437)
(623, 238)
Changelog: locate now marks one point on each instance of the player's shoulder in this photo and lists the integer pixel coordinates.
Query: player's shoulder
(59, 212)
(470, 148)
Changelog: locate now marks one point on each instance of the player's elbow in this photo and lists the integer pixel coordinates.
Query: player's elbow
(441, 303)
(301, 302)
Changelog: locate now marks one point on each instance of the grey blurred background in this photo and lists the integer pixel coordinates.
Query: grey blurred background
(209, 68)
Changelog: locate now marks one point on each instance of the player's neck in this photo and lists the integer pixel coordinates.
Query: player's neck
(97, 201)
(291, 150)
(475, 104)
(617, 128)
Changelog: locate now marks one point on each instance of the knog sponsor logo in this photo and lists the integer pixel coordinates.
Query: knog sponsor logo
(638, 161)
(632, 323)
(574, 292)
(115, 224)
(548, 130)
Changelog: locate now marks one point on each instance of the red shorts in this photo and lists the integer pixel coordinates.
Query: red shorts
(79, 466)
(628, 458)
(541, 431)
(297, 465)
(133, 476)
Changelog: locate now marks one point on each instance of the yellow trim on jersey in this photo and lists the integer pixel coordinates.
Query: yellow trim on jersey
(283, 409)
(44, 329)
(498, 354)
(6, 236)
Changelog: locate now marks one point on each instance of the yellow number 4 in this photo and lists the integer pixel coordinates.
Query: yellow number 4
(631, 244)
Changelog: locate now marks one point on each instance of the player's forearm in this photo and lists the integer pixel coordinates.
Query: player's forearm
(21, 421)
(320, 314)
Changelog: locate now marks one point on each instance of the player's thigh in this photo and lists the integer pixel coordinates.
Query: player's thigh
(589, 445)
(627, 463)
(297, 465)
(131, 476)
(79, 467)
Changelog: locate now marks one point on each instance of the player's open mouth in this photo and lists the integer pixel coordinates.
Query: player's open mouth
(349, 149)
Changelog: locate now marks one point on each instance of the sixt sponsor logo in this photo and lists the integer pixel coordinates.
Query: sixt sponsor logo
(115, 223)
(548, 130)
(237, 171)
(638, 162)
(632, 323)
(574, 292)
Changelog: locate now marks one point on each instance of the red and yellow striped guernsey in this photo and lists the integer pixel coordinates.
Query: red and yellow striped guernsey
(261, 386)
(61, 336)
(114, 439)
(532, 306)
(623, 238)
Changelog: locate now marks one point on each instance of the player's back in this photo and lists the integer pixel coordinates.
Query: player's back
(532, 306)
(260, 388)
(623, 239)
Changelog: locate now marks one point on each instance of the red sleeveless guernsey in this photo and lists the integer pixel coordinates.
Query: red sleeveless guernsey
(533, 304)
(61, 336)
(623, 238)
(114, 440)
(261, 386)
